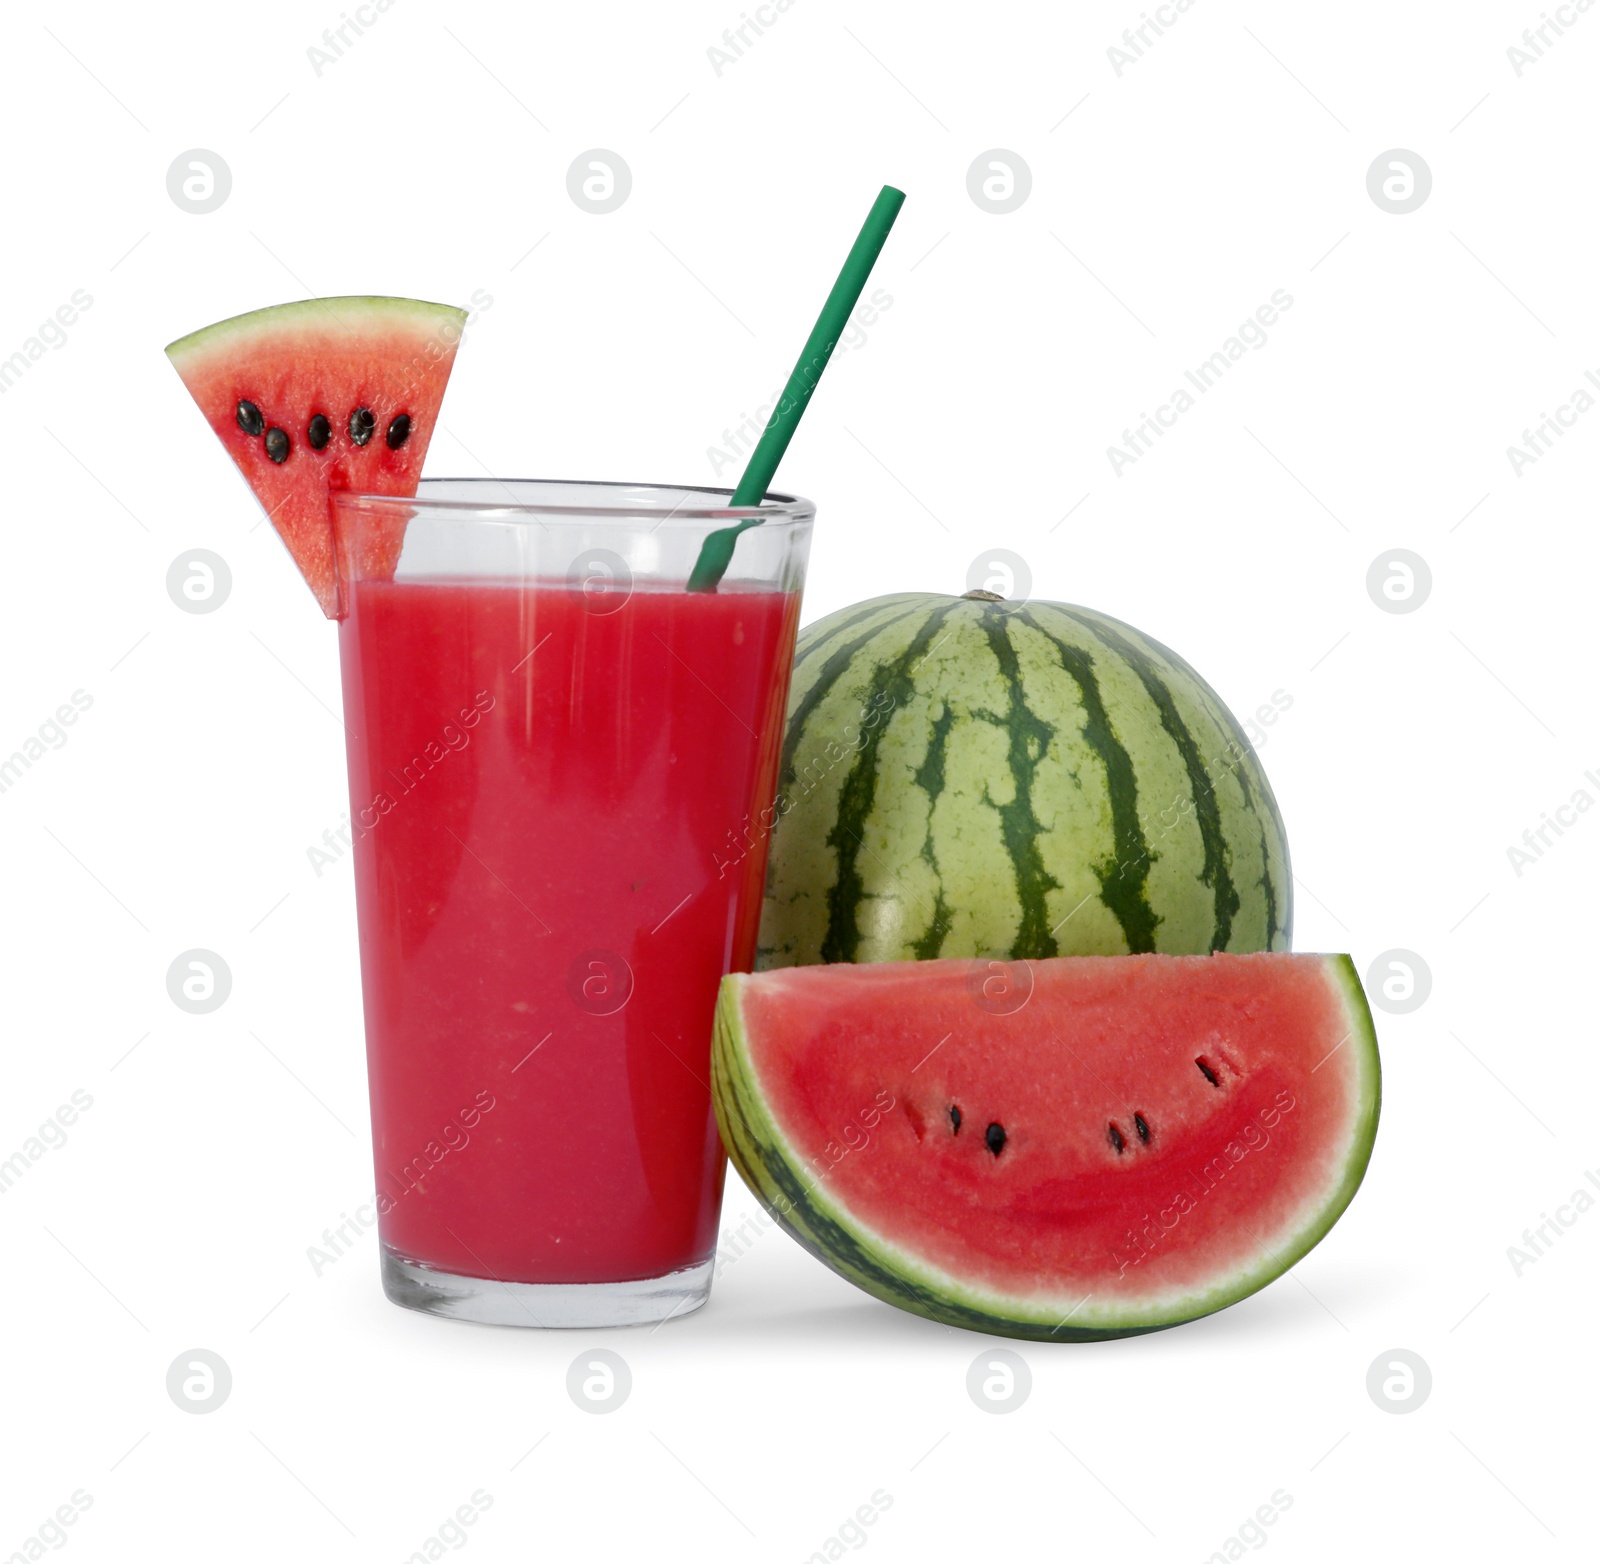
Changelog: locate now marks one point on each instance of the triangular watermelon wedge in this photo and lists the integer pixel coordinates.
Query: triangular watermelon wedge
(1062, 1150)
(322, 394)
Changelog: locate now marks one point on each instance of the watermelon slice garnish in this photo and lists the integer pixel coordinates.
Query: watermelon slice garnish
(1063, 1150)
(323, 394)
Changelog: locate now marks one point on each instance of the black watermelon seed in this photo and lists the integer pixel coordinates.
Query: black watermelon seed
(249, 417)
(318, 432)
(1116, 1138)
(362, 423)
(398, 431)
(955, 1119)
(995, 1138)
(1142, 1128)
(277, 445)
(1208, 1072)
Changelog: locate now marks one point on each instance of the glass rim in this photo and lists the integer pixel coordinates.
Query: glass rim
(775, 510)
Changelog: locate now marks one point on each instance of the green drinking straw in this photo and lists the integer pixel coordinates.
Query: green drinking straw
(717, 550)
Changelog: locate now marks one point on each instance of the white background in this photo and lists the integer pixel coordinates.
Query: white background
(1167, 203)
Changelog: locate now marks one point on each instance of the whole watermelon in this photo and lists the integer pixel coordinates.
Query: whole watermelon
(971, 777)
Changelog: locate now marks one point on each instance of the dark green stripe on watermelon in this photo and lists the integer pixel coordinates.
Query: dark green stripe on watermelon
(1215, 874)
(930, 778)
(1123, 879)
(838, 663)
(1027, 739)
(890, 682)
(1243, 760)
(840, 624)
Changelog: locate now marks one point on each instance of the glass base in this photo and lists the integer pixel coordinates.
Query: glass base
(547, 1305)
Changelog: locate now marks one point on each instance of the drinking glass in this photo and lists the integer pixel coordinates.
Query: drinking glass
(559, 760)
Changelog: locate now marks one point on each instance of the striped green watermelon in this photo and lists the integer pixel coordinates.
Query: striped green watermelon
(1059, 1150)
(969, 777)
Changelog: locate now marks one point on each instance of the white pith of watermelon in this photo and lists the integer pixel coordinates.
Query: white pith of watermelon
(331, 357)
(834, 1086)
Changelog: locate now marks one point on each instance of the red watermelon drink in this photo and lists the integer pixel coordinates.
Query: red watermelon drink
(560, 763)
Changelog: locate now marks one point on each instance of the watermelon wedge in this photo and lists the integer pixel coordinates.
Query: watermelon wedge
(323, 394)
(1064, 1150)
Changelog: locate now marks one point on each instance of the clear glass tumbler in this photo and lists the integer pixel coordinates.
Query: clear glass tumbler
(558, 756)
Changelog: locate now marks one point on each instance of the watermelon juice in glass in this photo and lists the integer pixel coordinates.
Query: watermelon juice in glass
(558, 758)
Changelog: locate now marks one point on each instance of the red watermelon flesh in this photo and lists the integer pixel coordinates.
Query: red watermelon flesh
(360, 377)
(1139, 1141)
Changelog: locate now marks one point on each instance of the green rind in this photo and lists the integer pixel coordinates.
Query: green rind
(1117, 767)
(226, 336)
(828, 1230)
